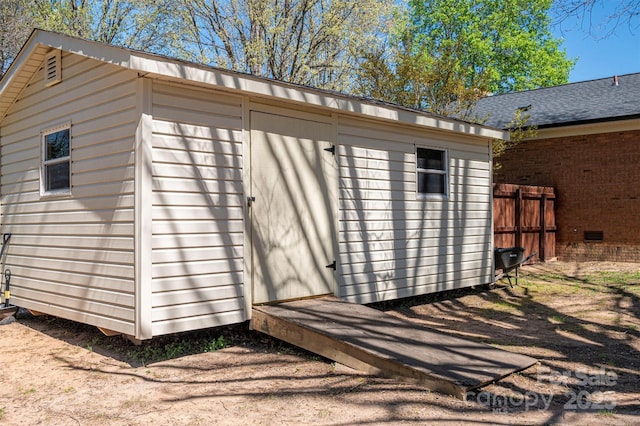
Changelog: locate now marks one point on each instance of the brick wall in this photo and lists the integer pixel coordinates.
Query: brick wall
(597, 183)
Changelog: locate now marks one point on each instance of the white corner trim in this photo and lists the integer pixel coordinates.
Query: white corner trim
(143, 204)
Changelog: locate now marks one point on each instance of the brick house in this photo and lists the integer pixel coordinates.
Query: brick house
(588, 148)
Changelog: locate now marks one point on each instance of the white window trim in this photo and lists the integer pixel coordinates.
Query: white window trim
(44, 163)
(445, 172)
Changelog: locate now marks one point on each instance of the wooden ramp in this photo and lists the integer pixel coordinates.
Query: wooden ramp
(374, 342)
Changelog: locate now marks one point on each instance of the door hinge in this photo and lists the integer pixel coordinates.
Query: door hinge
(332, 265)
(331, 149)
(250, 201)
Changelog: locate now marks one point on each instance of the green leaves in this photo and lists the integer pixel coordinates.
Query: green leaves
(519, 129)
(446, 54)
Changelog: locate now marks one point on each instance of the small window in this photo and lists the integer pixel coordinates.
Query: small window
(432, 179)
(56, 161)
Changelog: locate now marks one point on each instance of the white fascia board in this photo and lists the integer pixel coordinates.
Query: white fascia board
(8, 93)
(273, 89)
(99, 51)
(588, 129)
(12, 72)
(17, 63)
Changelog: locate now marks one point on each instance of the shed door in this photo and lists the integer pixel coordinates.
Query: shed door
(294, 182)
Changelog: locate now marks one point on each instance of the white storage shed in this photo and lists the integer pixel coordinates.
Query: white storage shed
(146, 195)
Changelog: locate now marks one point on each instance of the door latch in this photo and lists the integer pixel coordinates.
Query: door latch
(331, 265)
(250, 200)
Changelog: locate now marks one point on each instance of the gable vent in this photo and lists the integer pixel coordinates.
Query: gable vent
(52, 69)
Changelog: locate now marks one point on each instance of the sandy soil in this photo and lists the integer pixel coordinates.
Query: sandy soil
(587, 341)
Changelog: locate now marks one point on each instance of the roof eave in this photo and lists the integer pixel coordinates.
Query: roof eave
(155, 65)
(589, 121)
(591, 127)
(267, 88)
(18, 61)
(13, 72)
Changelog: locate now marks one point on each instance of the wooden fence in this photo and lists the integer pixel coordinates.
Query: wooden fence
(524, 216)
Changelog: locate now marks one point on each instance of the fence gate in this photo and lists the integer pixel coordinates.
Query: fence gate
(524, 216)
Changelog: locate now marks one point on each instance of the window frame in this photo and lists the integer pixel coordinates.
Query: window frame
(443, 172)
(44, 163)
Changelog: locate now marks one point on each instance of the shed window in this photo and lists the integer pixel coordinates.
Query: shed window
(432, 179)
(56, 161)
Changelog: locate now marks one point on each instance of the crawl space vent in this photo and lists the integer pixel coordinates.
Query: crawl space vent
(593, 235)
(52, 69)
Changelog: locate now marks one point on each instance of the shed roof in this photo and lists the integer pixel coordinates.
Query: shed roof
(569, 104)
(30, 58)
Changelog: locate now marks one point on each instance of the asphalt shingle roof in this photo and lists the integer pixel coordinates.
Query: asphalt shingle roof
(575, 103)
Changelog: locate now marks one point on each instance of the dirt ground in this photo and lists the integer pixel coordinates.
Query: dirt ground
(582, 321)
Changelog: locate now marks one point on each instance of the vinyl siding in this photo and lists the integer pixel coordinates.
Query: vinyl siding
(393, 244)
(72, 256)
(198, 209)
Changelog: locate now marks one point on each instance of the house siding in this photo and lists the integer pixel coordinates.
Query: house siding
(72, 256)
(197, 209)
(394, 245)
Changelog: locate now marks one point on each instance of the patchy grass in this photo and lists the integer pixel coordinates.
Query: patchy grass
(160, 348)
(617, 282)
(154, 352)
(557, 319)
(136, 402)
(606, 413)
(553, 284)
(506, 306)
(94, 341)
(614, 278)
(28, 391)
